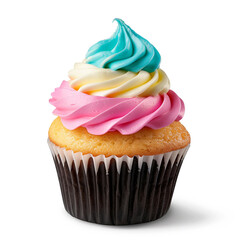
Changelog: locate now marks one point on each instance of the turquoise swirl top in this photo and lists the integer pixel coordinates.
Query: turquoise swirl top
(125, 50)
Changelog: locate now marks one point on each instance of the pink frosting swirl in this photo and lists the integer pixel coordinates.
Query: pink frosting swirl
(126, 115)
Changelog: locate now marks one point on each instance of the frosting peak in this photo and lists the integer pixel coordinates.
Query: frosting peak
(125, 50)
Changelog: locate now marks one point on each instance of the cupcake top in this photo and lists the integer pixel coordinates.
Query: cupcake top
(147, 141)
(118, 87)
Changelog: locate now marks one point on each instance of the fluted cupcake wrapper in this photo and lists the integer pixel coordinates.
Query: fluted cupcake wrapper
(117, 190)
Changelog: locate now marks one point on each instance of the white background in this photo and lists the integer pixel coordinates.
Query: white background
(199, 42)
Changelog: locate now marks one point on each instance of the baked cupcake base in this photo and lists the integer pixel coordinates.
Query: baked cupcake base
(117, 190)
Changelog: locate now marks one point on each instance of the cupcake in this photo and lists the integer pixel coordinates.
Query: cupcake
(117, 142)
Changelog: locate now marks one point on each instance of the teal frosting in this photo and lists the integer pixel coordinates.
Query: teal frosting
(125, 50)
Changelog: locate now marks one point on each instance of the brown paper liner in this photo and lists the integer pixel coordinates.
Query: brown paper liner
(117, 191)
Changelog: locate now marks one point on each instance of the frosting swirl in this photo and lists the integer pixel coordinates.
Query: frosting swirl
(102, 99)
(125, 50)
(126, 115)
(106, 82)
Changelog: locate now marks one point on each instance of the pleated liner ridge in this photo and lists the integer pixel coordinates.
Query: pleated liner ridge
(117, 191)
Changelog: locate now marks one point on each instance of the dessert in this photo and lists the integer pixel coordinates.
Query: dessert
(117, 142)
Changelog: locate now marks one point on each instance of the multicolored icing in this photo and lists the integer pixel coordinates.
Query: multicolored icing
(126, 115)
(102, 98)
(125, 50)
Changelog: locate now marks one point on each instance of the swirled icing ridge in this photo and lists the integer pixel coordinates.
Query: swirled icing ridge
(126, 115)
(106, 82)
(125, 50)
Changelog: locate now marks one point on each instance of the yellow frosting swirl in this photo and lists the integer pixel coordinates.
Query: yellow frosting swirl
(105, 82)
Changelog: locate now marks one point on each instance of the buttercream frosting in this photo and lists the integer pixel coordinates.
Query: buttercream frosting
(125, 50)
(118, 87)
(126, 115)
(105, 82)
